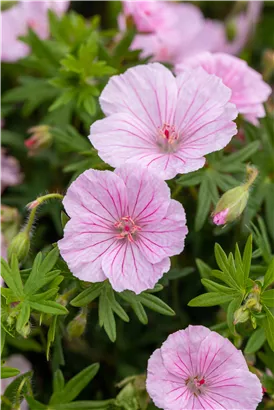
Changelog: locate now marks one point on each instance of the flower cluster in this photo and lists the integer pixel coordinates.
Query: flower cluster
(18, 19)
(170, 32)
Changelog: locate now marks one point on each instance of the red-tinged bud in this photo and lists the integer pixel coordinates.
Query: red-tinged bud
(40, 139)
(233, 202)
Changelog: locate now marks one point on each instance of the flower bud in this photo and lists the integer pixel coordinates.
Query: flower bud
(241, 315)
(10, 224)
(19, 246)
(77, 326)
(40, 139)
(233, 202)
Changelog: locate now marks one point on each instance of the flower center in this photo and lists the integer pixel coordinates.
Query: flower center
(168, 138)
(195, 384)
(126, 228)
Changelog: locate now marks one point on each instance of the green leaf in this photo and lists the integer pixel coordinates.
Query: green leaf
(34, 404)
(240, 155)
(268, 324)
(7, 372)
(247, 256)
(88, 295)
(191, 179)
(75, 385)
(269, 276)
(58, 381)
(45, 295)
(11, 392)
(84, 405)
(115, 305)
(232, 307)
(106, 316)
(269, 207)
(216, 287)
(49, 261)
(210, 299)
(256, 341)
(23, 317)
(48, 306)
(3, 340)
(204, 201)
(32, 283)
(11, 276)
(225, 265)
(137, 306)
(267, 298)
(156, 304)
(51, 335)
(204, 269)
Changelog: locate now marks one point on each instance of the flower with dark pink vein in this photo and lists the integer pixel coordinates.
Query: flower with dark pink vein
(164, 123)
(124, 227)
(199, 369)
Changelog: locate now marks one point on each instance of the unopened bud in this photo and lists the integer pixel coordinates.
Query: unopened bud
(233, 202)
(77, 326)
(241, 315)
(19, 246)
(40, 139)
(25, 331)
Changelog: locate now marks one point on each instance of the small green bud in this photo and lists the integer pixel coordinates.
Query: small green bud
(77, 326)
(241, 315)
(233, 202)
(25, 331)
(19, 246)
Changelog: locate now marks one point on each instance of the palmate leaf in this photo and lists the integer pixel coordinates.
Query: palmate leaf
(74, 386)
(108, 304)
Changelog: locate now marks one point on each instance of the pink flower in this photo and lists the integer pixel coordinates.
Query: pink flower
(249, 91)
(245, 24)
(164, 123)
(10, 171)
(123, 227)
(169, 31)
(18, 19)
(19, 362)
(199, 369)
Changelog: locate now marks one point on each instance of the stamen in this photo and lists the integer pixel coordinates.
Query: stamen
(127, 228)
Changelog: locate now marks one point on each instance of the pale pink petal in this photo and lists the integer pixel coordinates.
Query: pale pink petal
(83, 246)
(120, 137)
(127, 268)
(96, 193)
(159, 240)
(148, 195)
(236, 389)
(248, 89)
(218, 355)
(180, 350)
(159, 381)
(148, 92)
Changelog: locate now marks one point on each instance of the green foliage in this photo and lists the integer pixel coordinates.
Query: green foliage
(108, 305)
(221, 173)
(21, 298)
(247, 298)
